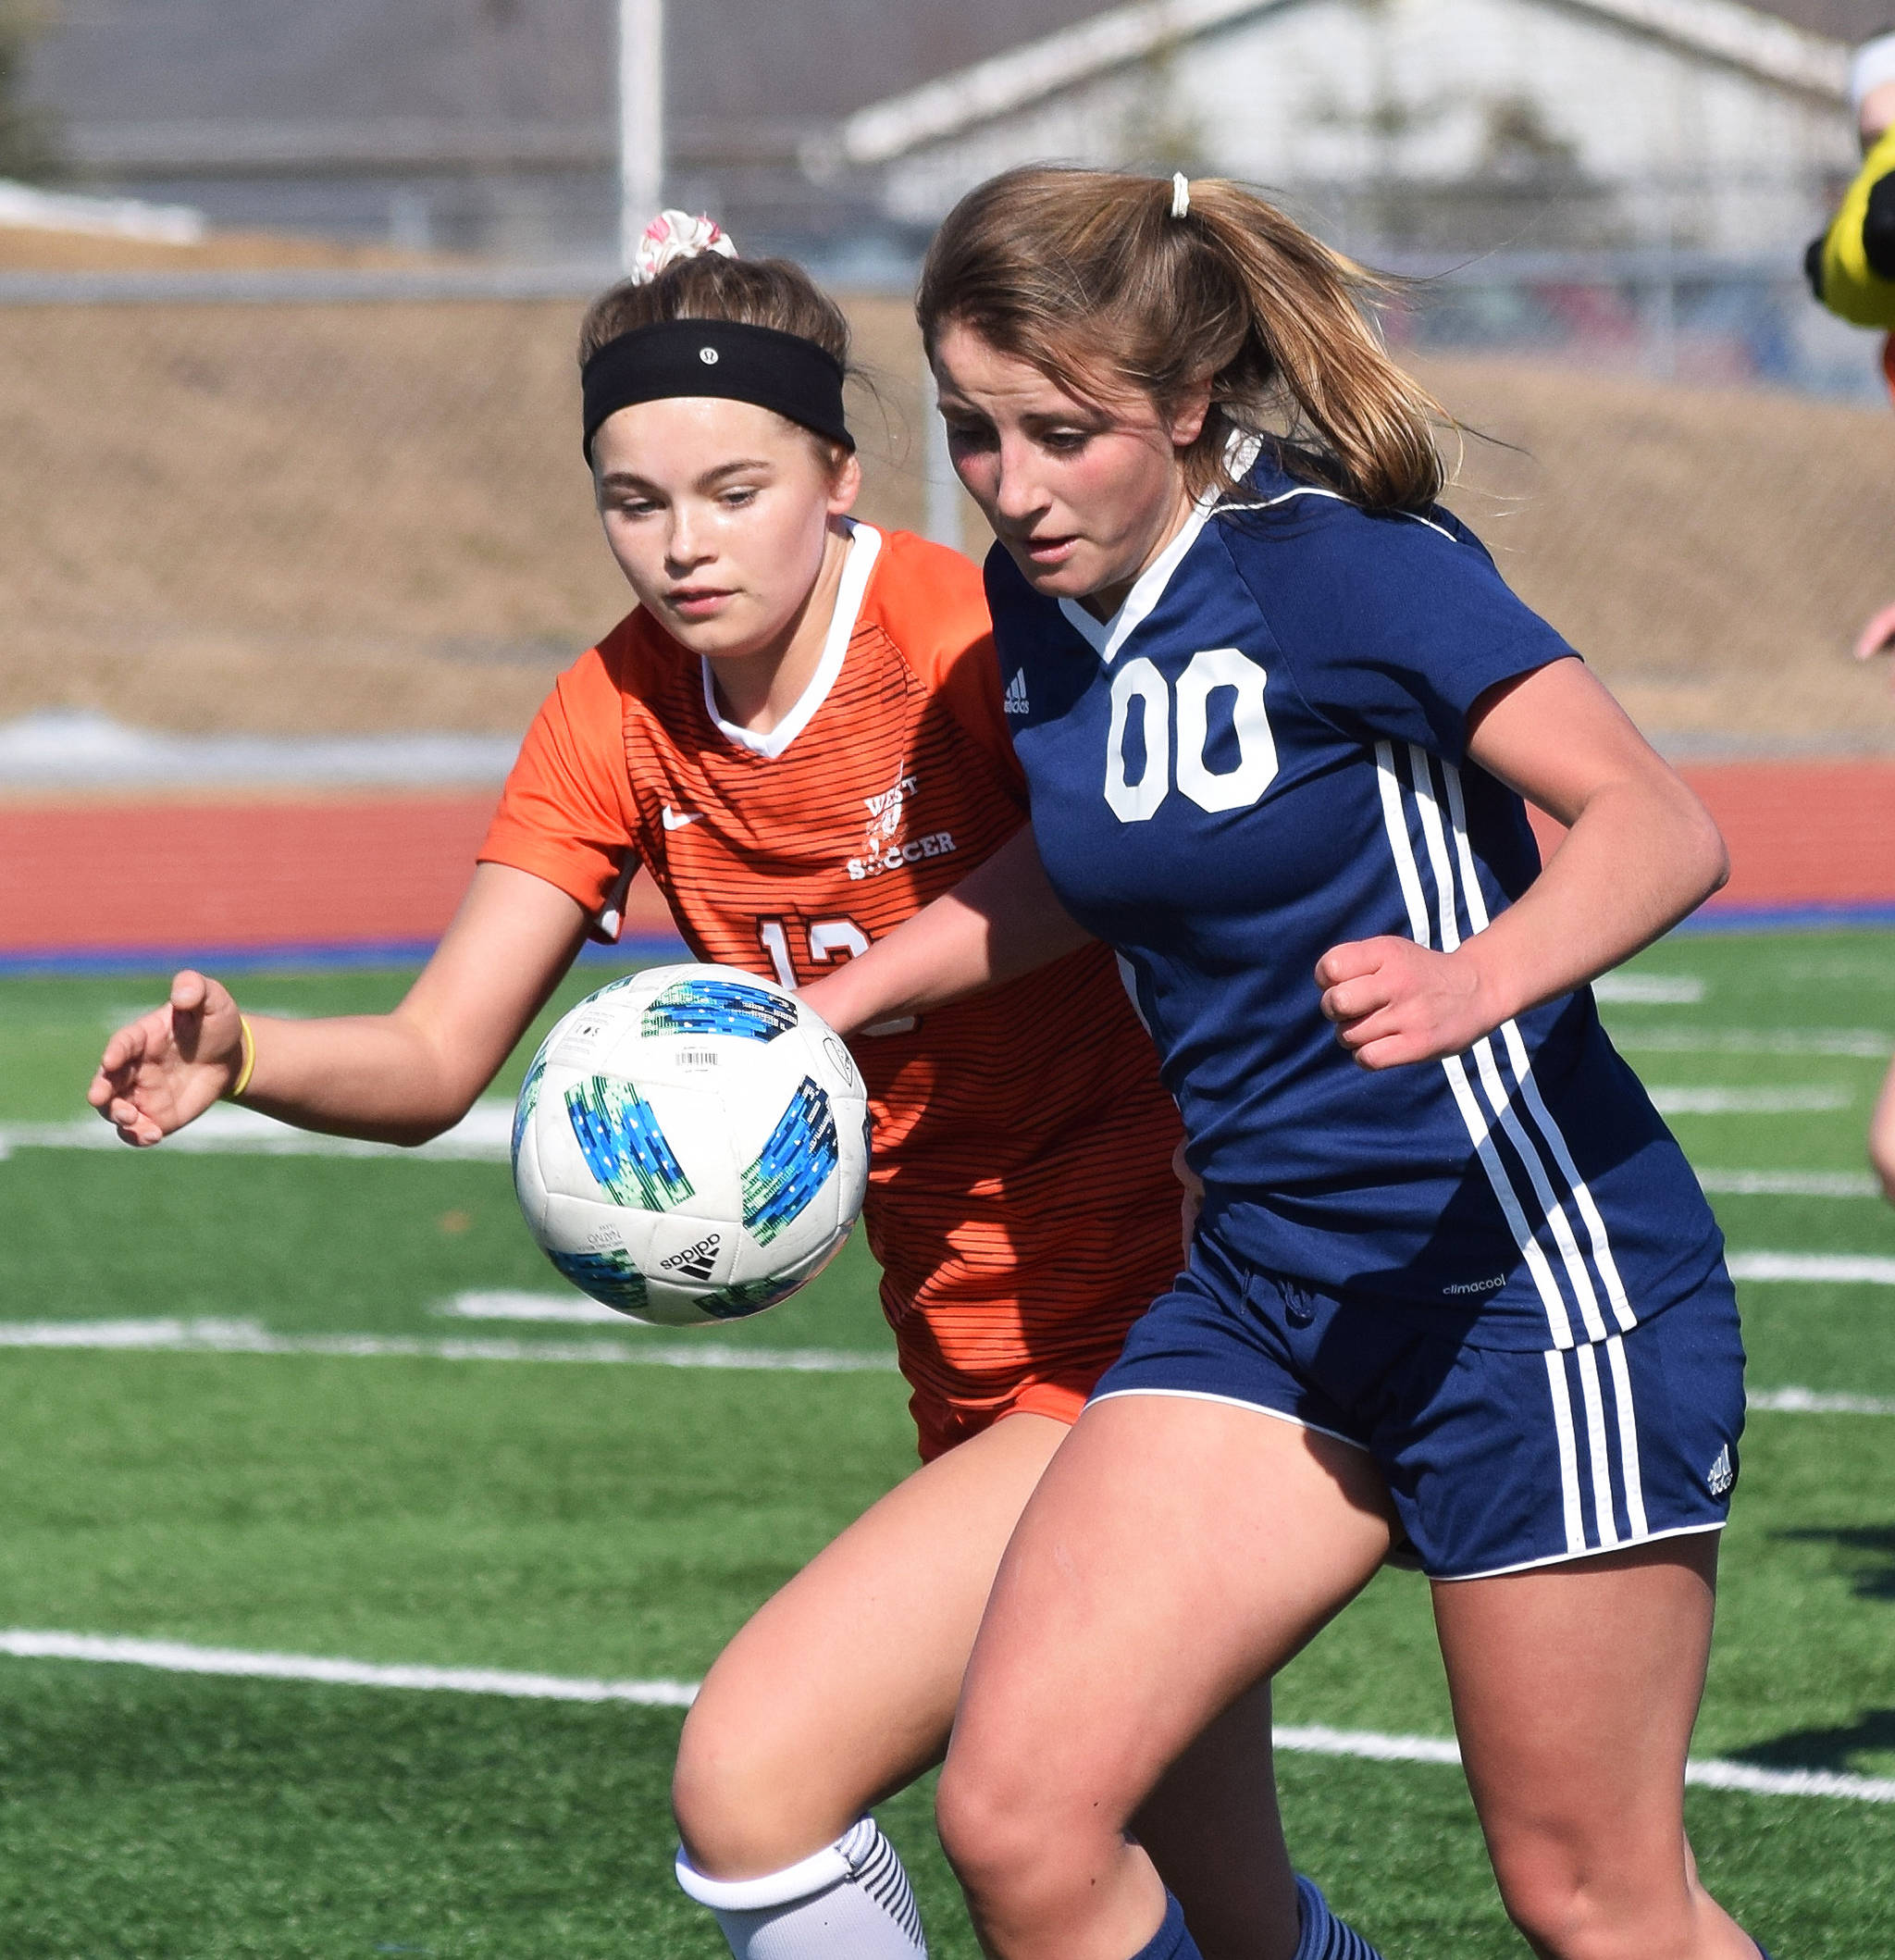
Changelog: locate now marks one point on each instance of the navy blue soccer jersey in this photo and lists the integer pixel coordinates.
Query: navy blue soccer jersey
(1264, 754)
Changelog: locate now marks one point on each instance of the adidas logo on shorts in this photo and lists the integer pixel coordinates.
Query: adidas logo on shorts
(1014, 701)
(1720, 1476)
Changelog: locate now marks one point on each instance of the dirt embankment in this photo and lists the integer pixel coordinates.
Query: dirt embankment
(374, 517)
(1713, 552)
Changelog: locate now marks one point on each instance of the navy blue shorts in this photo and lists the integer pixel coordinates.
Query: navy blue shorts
(1497, 1457)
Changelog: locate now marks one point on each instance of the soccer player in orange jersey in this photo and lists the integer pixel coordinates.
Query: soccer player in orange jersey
(800, 733)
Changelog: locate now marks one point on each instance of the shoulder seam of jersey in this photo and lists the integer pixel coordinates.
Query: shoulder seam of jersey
(1314, 489)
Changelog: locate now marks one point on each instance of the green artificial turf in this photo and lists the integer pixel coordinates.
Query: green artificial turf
(621, 1521)
(302, 1244)
(573, 1519)
(324, 1243)
(145, 1817)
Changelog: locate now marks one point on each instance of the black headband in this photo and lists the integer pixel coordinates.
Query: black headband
(779, 371)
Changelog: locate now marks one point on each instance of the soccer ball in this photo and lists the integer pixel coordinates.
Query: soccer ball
(691, 1145)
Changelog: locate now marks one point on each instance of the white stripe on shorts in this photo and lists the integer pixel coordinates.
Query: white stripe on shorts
(1568, 1454)
(1551, 1182)
(1627, 1437)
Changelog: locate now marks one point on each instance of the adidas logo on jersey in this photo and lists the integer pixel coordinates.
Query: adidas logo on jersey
(1720, 1476)
(694, 1262)
(1014, 701)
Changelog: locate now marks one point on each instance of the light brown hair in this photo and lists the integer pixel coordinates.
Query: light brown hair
(1087, 276)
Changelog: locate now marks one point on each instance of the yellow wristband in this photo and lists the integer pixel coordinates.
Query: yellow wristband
(243, 1075)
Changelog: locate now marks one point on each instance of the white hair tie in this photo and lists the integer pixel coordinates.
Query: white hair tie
(675, 235)
(1180, 194)
(1872, 67)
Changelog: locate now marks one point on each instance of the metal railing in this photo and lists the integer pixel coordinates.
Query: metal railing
(1691, 317)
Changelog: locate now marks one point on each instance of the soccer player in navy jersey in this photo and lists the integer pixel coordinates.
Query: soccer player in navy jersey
(1454, 1293)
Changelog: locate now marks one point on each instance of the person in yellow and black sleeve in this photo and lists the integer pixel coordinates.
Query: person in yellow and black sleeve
(1852, 265)
(1852, 270)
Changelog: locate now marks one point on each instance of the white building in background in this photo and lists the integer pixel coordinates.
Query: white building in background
(1412, 123)
(840, 128)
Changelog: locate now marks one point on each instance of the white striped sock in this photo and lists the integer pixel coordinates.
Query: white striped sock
(851, 1901)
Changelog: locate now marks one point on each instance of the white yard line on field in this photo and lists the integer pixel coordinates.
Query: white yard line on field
(510, 1306)
(1844, 1268)
(1790, 1183)
(1688, 1100)
(174, 1336)
(1711, 1773)
(483, 1135)
(1817, 1402)
(1648, 989)
(1868, 1043)
(178, 1336)
(178, 1657)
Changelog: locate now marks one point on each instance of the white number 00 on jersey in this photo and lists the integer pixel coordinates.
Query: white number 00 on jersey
(1218, 669)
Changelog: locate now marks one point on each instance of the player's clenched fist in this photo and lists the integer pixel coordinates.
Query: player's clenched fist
(169, 1065)
(1393, 1001)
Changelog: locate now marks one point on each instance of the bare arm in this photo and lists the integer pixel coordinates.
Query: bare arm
(399, 1077)
(999, 922)
(1640, 853)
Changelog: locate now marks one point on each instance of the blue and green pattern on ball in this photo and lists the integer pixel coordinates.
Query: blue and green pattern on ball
(608, 1276)
(528, 1100)
(743, 1297)
(624, 1147)
(719, 1007)
(795, 1164)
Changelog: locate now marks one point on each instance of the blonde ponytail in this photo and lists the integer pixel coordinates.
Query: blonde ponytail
(1096, 278)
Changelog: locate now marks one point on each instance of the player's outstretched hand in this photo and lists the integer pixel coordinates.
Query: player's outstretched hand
(1393, 1001)
(170, 1065)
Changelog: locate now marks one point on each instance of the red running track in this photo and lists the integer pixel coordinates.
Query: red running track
(174, 878)
(1803, 835)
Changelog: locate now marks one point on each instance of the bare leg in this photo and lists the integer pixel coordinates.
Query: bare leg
(1211, 1828)
(1575, 1689)
(1176, 1553)
(842, 1689)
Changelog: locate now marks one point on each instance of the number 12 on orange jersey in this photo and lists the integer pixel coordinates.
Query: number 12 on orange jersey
(828, 940)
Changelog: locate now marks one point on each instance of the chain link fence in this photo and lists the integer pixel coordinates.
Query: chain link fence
(1699, 318)
(315, 504)
(297, 505)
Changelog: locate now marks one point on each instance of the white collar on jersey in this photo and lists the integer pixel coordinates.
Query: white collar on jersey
(1106, 637)
(865, 543)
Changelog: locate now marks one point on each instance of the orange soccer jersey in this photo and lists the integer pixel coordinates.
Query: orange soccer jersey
(1020, 1200)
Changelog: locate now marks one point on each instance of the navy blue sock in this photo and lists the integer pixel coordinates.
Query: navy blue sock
(1170, 1941)
(1324, 1935)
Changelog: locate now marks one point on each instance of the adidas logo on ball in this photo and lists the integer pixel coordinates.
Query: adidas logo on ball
(695, 1261)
